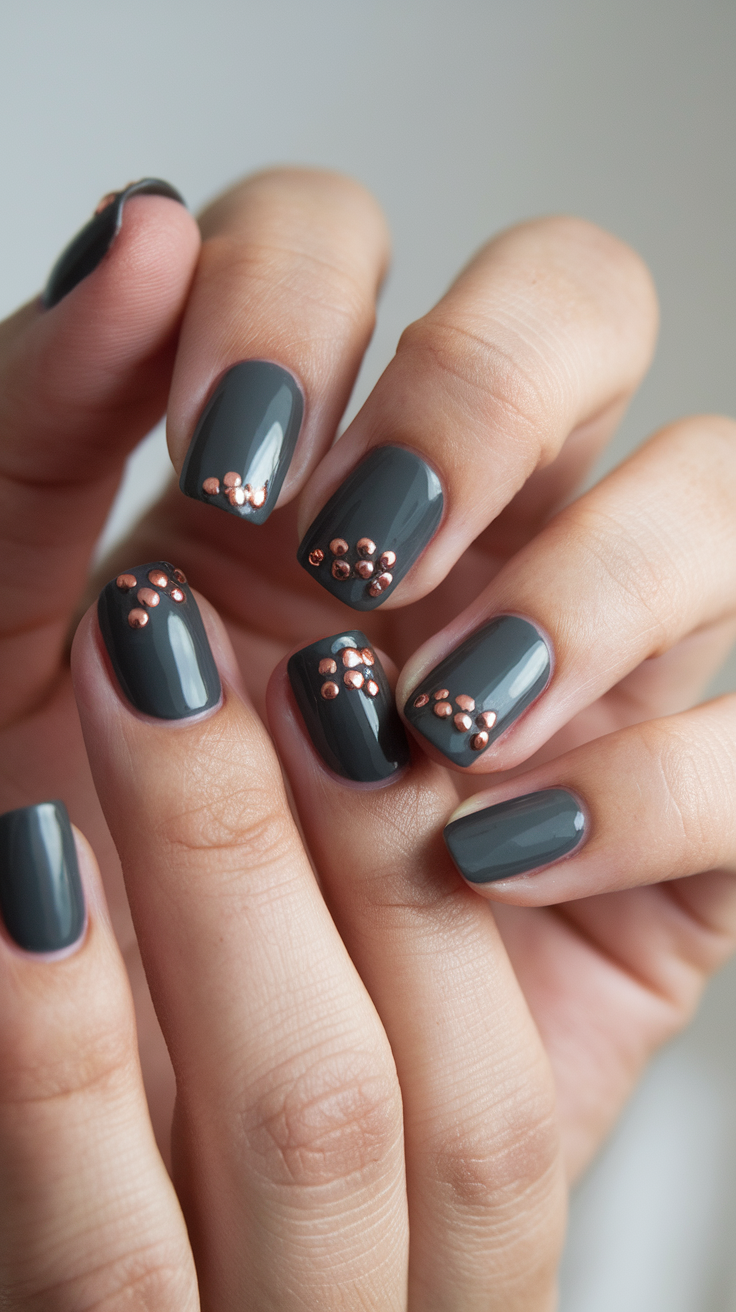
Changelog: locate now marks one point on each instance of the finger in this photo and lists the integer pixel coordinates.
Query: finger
(485, 1201)
(88, 1216)
(619, 577)
(287, 1144)
(80, 383)
(281, 312)
(547, 331)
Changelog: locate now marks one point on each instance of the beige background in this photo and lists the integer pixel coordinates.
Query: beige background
(463, 117)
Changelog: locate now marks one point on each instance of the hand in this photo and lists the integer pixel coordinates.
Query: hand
(527, 362)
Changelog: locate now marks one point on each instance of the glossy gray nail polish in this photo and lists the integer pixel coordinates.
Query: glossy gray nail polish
(481, 688)
(86, 250)
(348, 708)
(157, 642)
(515, 836)
(41, 895)
(244, 441)
(373, 528)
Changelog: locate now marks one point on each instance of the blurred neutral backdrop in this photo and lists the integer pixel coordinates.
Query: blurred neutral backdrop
(463, 116)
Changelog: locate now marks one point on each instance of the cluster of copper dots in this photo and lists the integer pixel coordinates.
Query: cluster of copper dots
(233, 490)
(365, 568)
(462, 719)
(353, 679)
(138, 617)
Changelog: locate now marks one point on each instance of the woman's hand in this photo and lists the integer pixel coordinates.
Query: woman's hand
(507, 389)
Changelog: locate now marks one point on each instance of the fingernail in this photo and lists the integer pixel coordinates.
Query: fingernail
(157, 643)
(482, 687)
(41, 896)
(244, 441)
(515, 836)
(348, 708)
(94, 240)
(373, 527)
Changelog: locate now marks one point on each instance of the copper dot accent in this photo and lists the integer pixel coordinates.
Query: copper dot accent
(364, 569)
(443, 709)
(236, 496)
(211, 486)
(479, 741)
(368, 657)
(441, 695)
(180, 576)
(351, 657)
(340, 569)
(421, 700)
(327, 666)
(365, 547)
(137, 619)
(465, 703)
(338, 546)
(147, 597)
(329, 691)
(380, 584)
(177, 594)
(258, 497)
(486, 719)
(462, 722)
(107, 199)
(316, 557)
(126, 581)
(158, 578)
(372, 688)
(388, 559)
(232, 479)
(353, 679)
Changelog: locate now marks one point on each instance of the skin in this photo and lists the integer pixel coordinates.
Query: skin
(372, 1056)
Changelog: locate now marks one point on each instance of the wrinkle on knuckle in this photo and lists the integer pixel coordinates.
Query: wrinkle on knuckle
(331, 1125)
(152, 1278)
(242, 829)
(86, 1056)
(696, 784)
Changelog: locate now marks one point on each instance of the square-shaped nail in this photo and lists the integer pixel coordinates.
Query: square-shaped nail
(244, 441)
(41, 895)
(482, 687)
(374, 527)
(348, 707)
(513, 837)
(157, 643)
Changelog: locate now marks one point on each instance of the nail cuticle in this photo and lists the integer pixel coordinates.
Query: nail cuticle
(244, 440)
(477, 693)
(89, 246)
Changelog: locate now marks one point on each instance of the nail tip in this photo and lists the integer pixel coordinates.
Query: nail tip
(518, 836)
(88, 247)
(41, 896)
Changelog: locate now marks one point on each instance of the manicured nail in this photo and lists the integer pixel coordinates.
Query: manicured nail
(373, 527)
(94, 240)
(475, 693)
(515, 836)
(41, 896)
(348, 708)
(157, 643)
(244, 441)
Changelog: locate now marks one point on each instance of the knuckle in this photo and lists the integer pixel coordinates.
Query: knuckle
(484, 1172)
(243, 828)
(333, 1124)
(153, 1277)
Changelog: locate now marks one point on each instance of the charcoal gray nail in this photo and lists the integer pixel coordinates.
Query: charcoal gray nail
(373, 528)
(481, 688)
(91, 244)
(348, 707)
(41, 896)
(157, 642)
(244, 440)
(516, 836)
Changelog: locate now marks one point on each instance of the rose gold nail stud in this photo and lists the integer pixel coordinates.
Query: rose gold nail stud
(464, 702)
(441, 695)
(380, 584)
(486, 719)
(351, 657)
(353, 679)
(177, 594)
(316, 557)
(372, 688)
(442, 709)
(158, 578)
(462, 722)
(421, 700)
(364, 569)
(211, 486)
(126, 581)
(180, 576)
(147, 597)
(236, 496)
(388, 559)
(232, 479)
(366, 547)
(328, 666)
(329, 691)
(338, 546)
(479, 741)
(340, 570)
(137, 619)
